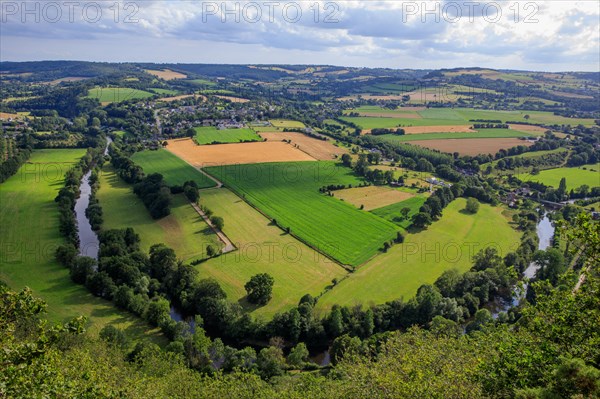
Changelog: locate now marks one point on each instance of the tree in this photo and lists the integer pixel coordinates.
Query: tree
(298, 355)
(191, 193)
(260, 288)
(218, 222)
(405, 211)
(347, 160)
(421, 220)
(472, 205)
(552, 265)
(270, 362)
(114, 336)
(210, 251)
(158, 310)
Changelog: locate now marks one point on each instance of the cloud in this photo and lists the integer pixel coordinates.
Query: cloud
(528, 34)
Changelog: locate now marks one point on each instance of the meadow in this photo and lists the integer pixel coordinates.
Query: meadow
(286, 123)
(183, 230)
(424, 256)
(27, 252)
(210, 134)
(459, 116)
(480, 134)
(263, 248)
(108, 95)
(288, 192)
(575, 177)
(393, 212)
(174, 170)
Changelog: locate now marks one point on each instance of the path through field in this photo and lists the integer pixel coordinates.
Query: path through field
(228, 244)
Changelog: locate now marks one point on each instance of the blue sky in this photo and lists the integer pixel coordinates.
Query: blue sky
(535, 35)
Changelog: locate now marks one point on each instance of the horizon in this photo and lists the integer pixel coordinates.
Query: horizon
(544, 36)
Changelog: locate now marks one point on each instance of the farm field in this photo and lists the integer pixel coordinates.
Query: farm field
(166, 74)
(107, 95)
(421, 259)
(480, 134)
(319, 149)
(174, 170)
(210, 134)
(233, 99)
(201, 156)
(165, 92)
(183, 230)
(371, 197)
(438, 129)
(575, 177)
(263, 248)
(459, 116)
(472, 146)
(288, 192)
(27, 206)
(285, 123)
(365, 122)
(393, 212)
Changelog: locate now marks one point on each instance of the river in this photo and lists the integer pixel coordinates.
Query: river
(88, 240)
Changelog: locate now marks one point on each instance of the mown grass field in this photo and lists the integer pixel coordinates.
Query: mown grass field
(286, 123)
(117, 94)
(174, 170)
(210, 134)
(421, 259)
(183, 230)
(288, 192)
(263, 248)
(461, 116)
(29, 237)
(393, 212)
(482, 133)
(165, 92)
(575, 177)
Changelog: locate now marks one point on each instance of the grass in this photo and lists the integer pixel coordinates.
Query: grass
(393, 213)
(482, 133)
(368, 122)
(286, 123)
(424, 256)
(575, 177)
(288, 192)
(202, 82)
(462, 116)
(183, 230)
(263, 248)
(168, 92)
(174, 170)
(210, 134)
(27, 252)
(117, 94)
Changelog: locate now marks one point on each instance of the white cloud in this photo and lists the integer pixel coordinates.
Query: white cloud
(547, 34)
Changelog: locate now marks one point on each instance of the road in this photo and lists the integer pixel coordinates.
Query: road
(228, 244)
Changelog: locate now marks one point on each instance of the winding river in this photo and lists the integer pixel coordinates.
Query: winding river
(89, 244)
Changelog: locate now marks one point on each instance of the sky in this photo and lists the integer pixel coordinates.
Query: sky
(528, 35)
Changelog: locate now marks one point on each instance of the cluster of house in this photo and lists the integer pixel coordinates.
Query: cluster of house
(437, 182)
(511, 198)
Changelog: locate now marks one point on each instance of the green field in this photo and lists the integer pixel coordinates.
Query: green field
(27, 252)
(202, 82)
(174, 170)
(368, 122)
(286, 123)
(458, 116)
(183, 230)
(263, 248)
(576, 177)
(117, 94)
(482, 133)
(210, 134)
(289, 193)
(166, 92)
(393, 214)
(421, 259)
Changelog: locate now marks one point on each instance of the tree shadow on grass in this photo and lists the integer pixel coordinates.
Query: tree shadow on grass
(247, 306)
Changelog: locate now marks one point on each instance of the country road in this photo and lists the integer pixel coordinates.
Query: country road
(228, 244)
